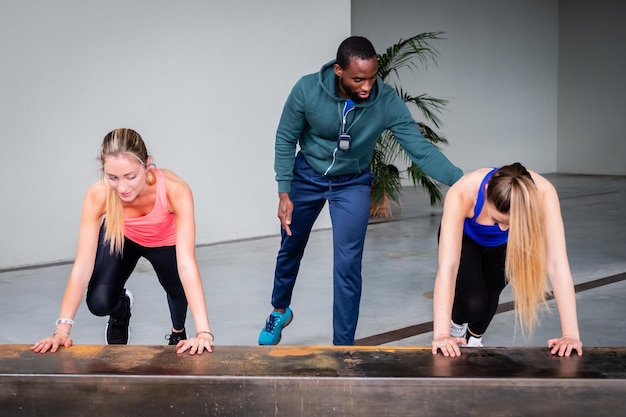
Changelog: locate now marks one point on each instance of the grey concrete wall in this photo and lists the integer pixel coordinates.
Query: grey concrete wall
(537, 81)
(204, 82)
(498, 68)
(592, 87)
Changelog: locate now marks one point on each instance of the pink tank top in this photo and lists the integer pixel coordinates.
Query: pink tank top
(157, 228)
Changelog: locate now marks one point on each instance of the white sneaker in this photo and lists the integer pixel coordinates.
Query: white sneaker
(474, 342)
(457, 330)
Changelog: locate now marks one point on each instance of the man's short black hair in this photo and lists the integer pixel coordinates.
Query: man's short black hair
(354, 47)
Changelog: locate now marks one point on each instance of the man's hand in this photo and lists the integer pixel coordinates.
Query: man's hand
(285, 209)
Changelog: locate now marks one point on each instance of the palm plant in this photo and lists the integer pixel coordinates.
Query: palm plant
(387, 187)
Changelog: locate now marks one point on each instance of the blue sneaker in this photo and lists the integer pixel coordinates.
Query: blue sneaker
(271, 333)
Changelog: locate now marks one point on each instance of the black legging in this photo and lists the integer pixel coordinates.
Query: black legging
(111, 271)
(479, 283)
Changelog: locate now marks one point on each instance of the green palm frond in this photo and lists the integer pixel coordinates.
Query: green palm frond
(406, 52)
(387, 186)
(431, 135)
(418, 177)
(390, 150)
(426, 104)
(388, 147)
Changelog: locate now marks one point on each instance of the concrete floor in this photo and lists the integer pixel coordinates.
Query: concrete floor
(398, 272)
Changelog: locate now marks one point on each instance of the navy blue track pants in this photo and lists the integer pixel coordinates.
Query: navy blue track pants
(348, 199)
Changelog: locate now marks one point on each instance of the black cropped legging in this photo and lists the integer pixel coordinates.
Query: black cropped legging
(479, 283)
(111, 271)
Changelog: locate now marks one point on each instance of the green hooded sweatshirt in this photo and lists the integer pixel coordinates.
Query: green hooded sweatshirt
(312, 118)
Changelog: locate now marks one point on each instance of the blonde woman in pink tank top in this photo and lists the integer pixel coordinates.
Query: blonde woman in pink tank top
(134, 211)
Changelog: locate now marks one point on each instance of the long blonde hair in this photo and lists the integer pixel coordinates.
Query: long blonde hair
(512, 190)
(115, 143)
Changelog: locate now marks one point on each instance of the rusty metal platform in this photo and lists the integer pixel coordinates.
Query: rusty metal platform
(315, 381)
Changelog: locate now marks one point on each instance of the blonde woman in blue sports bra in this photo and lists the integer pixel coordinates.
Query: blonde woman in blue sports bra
(501, 226)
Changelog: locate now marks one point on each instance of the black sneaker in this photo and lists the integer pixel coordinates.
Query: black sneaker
(176, 337)
(117, 331)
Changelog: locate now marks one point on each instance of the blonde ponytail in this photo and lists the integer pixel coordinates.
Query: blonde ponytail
(114, 222)
(525, 266)
(511, 190)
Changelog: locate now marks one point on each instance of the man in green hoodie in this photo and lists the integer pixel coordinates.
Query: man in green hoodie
(336, 117)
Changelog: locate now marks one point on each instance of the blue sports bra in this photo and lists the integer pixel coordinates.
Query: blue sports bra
(482, 234)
